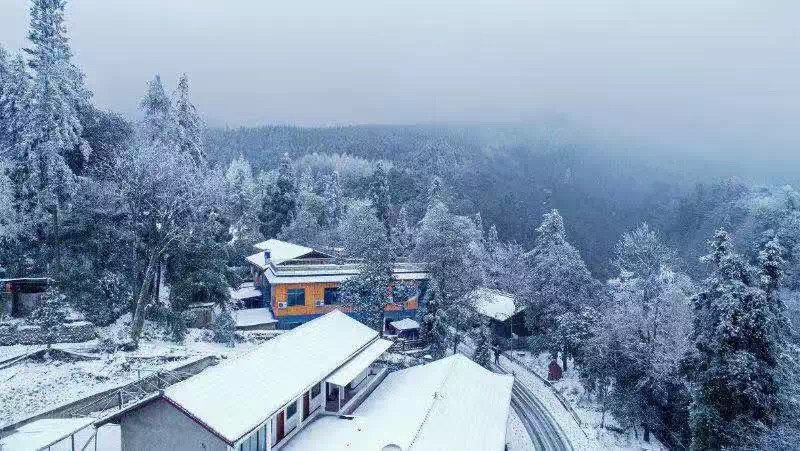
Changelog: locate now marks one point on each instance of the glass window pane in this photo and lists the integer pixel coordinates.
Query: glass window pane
(296, 296)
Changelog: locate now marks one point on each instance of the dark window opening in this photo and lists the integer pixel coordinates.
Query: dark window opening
(315, 391)
(332, 296)
(295, 297)
(291, 410)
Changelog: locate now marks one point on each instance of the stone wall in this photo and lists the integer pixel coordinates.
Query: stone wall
(15, 333)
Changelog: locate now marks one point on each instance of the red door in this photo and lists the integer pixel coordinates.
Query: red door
(306, 405)
(280, 433)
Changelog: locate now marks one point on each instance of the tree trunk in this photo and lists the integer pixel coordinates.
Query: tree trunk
(141, 303)
(56, 240)
(564, 360)
(646, 433)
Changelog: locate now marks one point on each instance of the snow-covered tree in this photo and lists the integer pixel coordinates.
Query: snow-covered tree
(225, 328)
(53, 130)
(190, 125)
(379, 194)
(334, 199)
(360, 228)
(50, 314)
(558, 283)
(402, 236)
(279, 205)
(737, 343)
(368, 292)
(159, 126)
(483, 347)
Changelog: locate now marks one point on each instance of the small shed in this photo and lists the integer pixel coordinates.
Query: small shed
(22, 295)
(404, 328)
(247, 296)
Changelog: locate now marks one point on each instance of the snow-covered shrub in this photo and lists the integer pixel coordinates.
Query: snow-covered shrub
(50, 314)
(224, 328)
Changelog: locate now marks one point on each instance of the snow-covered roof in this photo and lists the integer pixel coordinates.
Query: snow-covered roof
(452, 403)
(405, 324)
(322, 277)
(245, 291)
(359, 363)
(43, 433)
(493, 303)
(280, 251)
(238, 395)
(253, 317)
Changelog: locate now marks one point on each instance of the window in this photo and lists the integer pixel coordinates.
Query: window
(315, 390)
(256, 442)
(291, 410)
(296, 296)
(332, 296)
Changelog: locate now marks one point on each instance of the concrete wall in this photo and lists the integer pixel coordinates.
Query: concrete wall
(159, 425)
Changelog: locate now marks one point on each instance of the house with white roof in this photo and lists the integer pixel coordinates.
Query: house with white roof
(449, 404)
(300, 283)
(501, 309)
(260, 399)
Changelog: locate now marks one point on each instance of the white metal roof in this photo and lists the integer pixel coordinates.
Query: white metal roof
(359, 363)
(236, 396)
(493, 303)
(281, 251)
(253, 317)
(43, 433)
(245, 291)
(405, 324)
(452, 403)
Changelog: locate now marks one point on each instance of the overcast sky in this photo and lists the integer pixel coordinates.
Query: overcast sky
(717, 74)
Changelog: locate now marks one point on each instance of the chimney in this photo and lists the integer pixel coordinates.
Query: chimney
(266, 256)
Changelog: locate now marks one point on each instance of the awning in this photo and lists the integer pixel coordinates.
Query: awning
(359, 363)
(44, 433)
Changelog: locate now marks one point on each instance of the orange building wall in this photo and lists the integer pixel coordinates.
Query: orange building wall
(314, 292)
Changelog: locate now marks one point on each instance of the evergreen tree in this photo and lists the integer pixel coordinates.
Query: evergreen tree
(334, 199)
(225, 328)
(368, 292)
(280, 202)
(402, 236)
(379, 194)
(53, 129)
(159, 126)
(558, 284)
(736, 334)
(50, 314)
(359, 229)
(190, 126)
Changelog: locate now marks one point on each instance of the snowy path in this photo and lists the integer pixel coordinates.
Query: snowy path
(549, 425)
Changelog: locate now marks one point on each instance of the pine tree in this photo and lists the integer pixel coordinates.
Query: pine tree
(280, 202)
(379, 194)
(558, 283)
(190, 126)
(402, 236)
(736, 336)
(334, 199)
(53, 131)
(368, 292)
(50, 314)
(159, 126)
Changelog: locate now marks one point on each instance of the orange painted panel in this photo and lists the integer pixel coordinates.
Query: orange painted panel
(314, 292)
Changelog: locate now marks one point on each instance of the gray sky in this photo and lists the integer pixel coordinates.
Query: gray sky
(719, 75)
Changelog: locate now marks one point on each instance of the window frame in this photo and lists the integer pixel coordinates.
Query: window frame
(318, 389)
(289, 407)
(337, 294)
(295, 291)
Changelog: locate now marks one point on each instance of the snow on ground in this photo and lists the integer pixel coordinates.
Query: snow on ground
(588, 411)
(31, 386)
(517, 437)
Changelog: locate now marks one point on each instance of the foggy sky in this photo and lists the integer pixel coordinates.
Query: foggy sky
(721, 76)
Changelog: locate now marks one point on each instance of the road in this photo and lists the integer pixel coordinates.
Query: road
(544, 430)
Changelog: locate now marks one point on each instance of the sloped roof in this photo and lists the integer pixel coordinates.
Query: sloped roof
(452, 403)
(280, 251)
(236, 396)
(43, 433)
(359, 363)
(493, 303)
(405, 324)
(245, 291)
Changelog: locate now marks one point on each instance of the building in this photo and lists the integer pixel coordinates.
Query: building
(300, 283)
(259, 400)
(22, 295)
(505, 315)
(449, 404)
